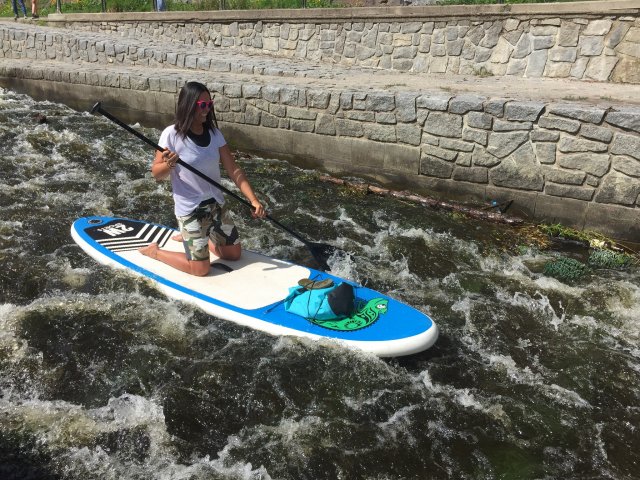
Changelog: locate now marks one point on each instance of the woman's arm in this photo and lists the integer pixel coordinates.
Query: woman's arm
(163, 163)
(240, 179)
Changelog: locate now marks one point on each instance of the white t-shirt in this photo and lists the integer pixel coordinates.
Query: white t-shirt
(189, 189)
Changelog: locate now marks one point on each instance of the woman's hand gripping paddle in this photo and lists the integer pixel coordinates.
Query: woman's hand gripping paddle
(320, 251)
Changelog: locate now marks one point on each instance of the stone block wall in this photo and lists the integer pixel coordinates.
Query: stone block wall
(570, 151)
(597, 44)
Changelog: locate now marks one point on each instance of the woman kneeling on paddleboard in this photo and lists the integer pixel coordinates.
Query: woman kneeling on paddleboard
(202, 216)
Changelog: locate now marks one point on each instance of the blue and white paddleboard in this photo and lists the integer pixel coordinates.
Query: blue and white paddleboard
(250, 291)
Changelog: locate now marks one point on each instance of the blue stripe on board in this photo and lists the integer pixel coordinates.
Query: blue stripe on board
(400, 321)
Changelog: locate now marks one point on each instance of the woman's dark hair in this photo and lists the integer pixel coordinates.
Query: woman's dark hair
(186, 110)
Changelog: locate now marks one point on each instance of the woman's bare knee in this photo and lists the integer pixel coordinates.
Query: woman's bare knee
(228, 252)
(232, 255)
(199, 268)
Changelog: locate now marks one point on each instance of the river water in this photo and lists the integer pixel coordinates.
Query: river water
(102, 377)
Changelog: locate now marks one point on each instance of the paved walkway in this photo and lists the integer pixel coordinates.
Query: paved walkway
(228, 63)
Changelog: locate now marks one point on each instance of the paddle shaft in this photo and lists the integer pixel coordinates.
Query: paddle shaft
(98, 108)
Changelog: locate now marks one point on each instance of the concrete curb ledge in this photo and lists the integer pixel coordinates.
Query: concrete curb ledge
(617, 7)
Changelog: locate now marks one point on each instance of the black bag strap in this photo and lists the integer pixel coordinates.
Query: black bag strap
(341, 299)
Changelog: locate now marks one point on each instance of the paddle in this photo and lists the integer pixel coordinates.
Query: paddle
(320, 251)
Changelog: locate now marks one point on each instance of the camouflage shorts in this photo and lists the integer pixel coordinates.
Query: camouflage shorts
(208, 221)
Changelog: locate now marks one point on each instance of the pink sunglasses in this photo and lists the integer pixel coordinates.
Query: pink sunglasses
(204, 104)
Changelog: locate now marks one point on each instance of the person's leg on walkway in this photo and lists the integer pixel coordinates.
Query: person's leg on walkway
(15, 8)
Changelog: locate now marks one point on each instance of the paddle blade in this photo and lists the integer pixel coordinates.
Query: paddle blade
(321, 253)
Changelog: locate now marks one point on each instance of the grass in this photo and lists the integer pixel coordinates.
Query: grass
(177, 5)
(489, 2)
(95, 6)
(540, 237)
(609, 259)
(560, 231)
(603, 252)
(46, 7)
(565, 269)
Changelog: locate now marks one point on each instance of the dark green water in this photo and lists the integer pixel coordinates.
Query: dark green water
(102, 377)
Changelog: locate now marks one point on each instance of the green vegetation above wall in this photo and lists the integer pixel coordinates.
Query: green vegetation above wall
(489, 2)
(114, 6)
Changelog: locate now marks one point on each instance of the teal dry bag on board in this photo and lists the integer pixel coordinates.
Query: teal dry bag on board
(333, 302)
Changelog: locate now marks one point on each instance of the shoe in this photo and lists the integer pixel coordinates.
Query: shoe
(35, 15)
(314, 284)
(16, 17)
